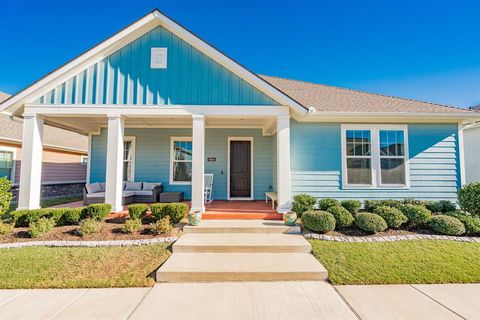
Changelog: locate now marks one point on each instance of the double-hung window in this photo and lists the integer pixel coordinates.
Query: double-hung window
(7, 163)
(181, 160)
(374, 156)
(129, 159)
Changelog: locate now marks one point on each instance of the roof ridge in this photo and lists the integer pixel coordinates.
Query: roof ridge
(372, 93)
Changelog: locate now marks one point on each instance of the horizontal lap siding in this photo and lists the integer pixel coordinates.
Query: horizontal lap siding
(317, 164)
(152, 158)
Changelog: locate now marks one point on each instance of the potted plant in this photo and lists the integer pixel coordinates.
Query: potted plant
(289, 218)
(194, 217)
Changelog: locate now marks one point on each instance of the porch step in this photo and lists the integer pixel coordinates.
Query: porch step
(240, 216)
(241, 226)
(241, 242)
(187, 267)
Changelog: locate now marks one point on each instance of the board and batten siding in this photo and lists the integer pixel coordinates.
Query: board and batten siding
(152, 158)
(316, 163)
(125, 78)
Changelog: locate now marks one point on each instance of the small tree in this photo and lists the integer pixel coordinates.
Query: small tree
(6, 195)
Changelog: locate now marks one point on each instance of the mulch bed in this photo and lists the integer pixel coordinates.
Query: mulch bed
(110, 230)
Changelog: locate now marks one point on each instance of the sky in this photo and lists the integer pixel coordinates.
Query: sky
(426, 50)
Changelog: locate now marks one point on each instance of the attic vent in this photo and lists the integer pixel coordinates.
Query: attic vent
(158, 58)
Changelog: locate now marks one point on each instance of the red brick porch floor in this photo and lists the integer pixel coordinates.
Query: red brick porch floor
(217, 210)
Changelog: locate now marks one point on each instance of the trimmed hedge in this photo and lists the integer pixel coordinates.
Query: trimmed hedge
(469, 198)
(61, 216)
(40, 227)
(318, 221)
(71, 216)
(393, 217)
(327, 203)
(303, 202)
(447, 225)
(370, 222)
(343, 218)
(371, 205)
(416, 214)
(137, 211)
(353, 206)
(89, 226)
(442, 206)
(98, 211)
(132, 225)
(472, 224)
(176, 211)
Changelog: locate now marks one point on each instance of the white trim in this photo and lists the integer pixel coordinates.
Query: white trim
(252, 175)
(13, 150)
(89, 155)
(375, 155)
(461, 155)
(325, 116)
(133, 139)
(172, 140)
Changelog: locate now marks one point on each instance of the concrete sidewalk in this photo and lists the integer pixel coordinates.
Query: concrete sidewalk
(246, 300)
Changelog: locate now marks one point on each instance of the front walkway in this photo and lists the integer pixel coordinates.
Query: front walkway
(246, 300)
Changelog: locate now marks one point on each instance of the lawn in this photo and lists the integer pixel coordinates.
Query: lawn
(422, 261)
(81, 267)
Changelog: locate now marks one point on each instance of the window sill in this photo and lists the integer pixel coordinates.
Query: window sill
(180, 183)
(394, 187)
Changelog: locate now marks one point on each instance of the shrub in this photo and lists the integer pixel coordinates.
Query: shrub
(343, 218)
(469, 198)
(370, 205)
(40, 227)
(6, 195)
(327, 203)
(447, 225)
(318, 221)
(416, 202)
(302, 203)
(442, 206)
(137, 211)
(131, 225)
(5, 228)
(162, 226)
(393, 217)
(472, 224)
(416, 214)
(19, 218)
(36, 214)
(352, 205)
(370, 222)
(176, 211)
(89, 226)
(98, 211)
(71, 216)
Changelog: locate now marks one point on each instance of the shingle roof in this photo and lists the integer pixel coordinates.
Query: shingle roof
(12, 129)
(325, 98)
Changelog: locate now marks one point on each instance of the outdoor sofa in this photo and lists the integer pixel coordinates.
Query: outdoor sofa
(144, 192)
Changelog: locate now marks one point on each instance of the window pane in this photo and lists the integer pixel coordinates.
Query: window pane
(182, 171)
(127, 171)
(393, 171)
(358, 142)
(127, 150)
(391, 143)
(182, 150)
(5, 172)
(359, 171)
(6, 159)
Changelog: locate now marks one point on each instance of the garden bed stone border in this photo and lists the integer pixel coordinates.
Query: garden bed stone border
(312, 235)
(81, 243)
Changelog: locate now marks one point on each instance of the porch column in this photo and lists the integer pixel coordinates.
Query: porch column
(283, 164)
(114, 172)
(198, 162)
(31, 164)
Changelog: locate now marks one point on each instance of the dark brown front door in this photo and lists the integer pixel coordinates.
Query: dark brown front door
(240, 169)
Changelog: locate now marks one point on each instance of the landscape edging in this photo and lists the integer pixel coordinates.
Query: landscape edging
(312, 235)
(101, 243)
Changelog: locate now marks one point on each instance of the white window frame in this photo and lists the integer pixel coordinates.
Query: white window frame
(172, 141)
(133, 141)
(375, 155)
(13, 150)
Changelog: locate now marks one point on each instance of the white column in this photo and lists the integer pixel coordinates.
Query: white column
(283, 164)
(198, 162)
(114, 174)
(31, 165)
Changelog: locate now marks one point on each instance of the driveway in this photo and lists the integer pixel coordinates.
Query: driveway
(246, 300)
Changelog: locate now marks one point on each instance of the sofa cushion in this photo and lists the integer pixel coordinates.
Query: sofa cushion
(128, 193)
(148, 186)
(144, 193)
(133, 186)
(96, 195)
(93, 187)
(102, 186)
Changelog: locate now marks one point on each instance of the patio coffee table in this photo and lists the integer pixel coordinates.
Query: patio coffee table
(171, 197)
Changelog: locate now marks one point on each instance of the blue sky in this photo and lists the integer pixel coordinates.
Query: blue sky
(427, 50)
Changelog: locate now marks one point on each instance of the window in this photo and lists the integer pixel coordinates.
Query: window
(83, 160)
(129, 159)
(7, 162)
(181, 160)
(374, 156)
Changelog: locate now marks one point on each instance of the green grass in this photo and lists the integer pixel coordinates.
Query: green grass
(43, 267)
(422, 261)
(60, 200)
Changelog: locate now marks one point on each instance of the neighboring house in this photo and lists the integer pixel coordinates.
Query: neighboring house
(161, 105)
(472, 150)
(64, 156)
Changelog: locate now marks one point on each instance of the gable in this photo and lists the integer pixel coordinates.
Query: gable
(125, 77)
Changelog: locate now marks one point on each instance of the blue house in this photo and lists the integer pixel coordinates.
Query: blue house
(159, 104)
